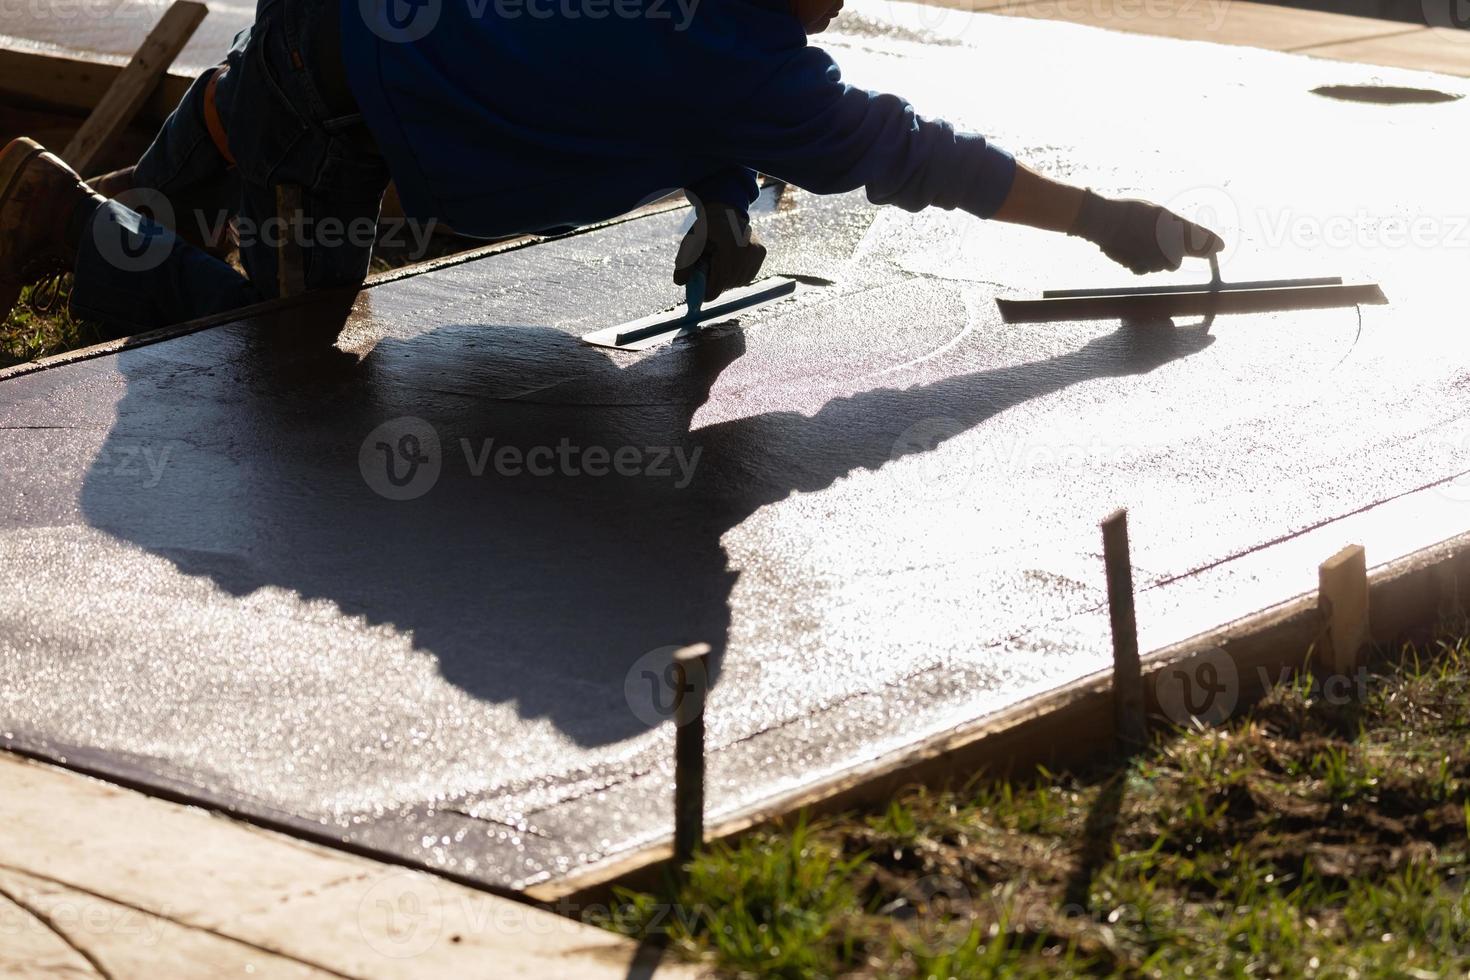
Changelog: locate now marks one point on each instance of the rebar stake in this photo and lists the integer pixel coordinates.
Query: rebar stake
(690, 682)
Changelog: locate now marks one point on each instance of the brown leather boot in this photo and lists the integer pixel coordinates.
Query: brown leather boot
(120, 184)
(38, 194)
(110, 185)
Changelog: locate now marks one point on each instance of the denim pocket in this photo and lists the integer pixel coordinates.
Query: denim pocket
(269, 137)
(349, 173)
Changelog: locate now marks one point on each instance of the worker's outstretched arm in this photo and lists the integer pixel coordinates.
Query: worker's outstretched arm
(812, 129)
(1142, 236)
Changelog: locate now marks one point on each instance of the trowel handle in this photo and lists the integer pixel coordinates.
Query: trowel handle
(696, 287)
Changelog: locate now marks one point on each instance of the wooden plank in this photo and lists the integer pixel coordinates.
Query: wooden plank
(155, 889)
(1441, 49)
(1260, 25)
(76, 85)
(1342, 598)
(131, 88)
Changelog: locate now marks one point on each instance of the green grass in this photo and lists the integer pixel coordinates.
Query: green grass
(1313, 837)
(27, 335)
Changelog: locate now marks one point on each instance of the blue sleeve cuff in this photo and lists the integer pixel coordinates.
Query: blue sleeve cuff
(990, 171)
(734, 186)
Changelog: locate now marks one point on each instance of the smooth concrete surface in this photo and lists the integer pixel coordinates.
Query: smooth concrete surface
(891, 522)
(111, 30)
(97, 881)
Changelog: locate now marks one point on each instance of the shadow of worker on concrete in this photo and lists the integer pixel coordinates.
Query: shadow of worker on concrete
(536, 515)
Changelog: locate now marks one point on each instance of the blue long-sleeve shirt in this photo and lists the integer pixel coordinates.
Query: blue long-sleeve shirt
(500, 119)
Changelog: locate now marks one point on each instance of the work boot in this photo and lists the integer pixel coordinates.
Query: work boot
(111, 185)
(201, 200)
(39, 196)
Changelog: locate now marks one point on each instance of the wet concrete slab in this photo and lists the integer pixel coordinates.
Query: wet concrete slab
(876, 501)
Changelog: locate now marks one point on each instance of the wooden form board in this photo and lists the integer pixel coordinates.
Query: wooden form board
(77, 85)
(1073, 725)
(131, 88)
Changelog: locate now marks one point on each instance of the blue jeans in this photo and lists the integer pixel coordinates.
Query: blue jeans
(307, 183)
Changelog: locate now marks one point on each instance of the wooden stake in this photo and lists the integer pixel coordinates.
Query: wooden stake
(690, 680)
(132, 87)
(1128, 719)
(1342, 598)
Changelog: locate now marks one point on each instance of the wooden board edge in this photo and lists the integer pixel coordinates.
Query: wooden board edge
(75, 85)
(1070, 726)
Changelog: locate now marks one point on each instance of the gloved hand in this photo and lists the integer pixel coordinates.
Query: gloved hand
(1141, 236)
(721, 235)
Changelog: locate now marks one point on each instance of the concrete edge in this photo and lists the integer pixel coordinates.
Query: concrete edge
(1073, 725)
(269, 307)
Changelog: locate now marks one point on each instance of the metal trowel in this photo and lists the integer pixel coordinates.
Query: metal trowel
(660, 328)
(1207, 300)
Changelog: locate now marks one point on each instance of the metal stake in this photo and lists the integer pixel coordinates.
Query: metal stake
(690, 683)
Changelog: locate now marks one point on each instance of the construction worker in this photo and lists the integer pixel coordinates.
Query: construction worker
(502, 117)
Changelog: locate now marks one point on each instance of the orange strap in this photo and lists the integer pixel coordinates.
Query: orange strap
(212, 121)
